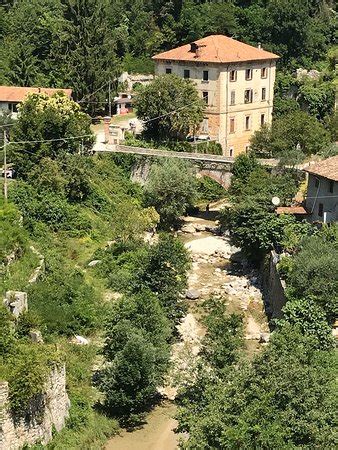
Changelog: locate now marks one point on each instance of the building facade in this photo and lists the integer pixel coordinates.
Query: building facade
(322, 191)
(236, 81)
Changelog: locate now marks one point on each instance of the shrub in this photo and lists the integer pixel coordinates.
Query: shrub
(315, 273)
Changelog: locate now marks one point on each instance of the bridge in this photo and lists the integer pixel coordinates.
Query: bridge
(217, 167)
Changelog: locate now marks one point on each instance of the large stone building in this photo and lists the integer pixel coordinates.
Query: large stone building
(235, 79)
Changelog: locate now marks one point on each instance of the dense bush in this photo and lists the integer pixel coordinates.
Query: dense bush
(170, 189)
(64, 301)
(270, 403)
(13, 237)
(315, 273)
(310, 319)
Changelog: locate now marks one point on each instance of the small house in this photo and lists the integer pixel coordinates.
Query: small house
(321, 201)
(12, 96)
(124, 103)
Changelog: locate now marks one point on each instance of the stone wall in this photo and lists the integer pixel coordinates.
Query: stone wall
(47, 412)
(273, 287)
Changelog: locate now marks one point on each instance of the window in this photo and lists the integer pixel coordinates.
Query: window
(233, 75)
(232, 97)
(167, 70)
(206, 97)
(248, 74)
(320, 209)
(232, 125)
(186, 73)
(247, 122)
(248, 96)
(262, 119)
(205, 75)
(316, 182)
(263, 94)
(331, 185)
(231, 151)
(264, 72)
(247, 148)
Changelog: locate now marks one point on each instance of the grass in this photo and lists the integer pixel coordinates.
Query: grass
(18, 273)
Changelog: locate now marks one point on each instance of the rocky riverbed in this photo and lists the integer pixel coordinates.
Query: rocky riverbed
(220, 270)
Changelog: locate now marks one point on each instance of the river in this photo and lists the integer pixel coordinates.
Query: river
(211, 274)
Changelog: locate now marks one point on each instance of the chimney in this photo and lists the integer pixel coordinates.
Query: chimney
(259, 46)
(193, 47)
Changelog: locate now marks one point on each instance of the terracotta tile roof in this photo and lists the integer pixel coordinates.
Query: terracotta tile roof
(291, 210)
(18, 93)
(328, 168)
(217, 49)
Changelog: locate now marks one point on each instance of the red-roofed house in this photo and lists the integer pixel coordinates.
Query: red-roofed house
(11, 96)
(236, 81)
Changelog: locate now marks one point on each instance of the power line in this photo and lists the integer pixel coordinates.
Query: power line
(90, 95)
(50, 140)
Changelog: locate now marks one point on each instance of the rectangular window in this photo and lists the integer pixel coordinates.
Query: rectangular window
(247, 122)
(167, 70)
(320, 209)
(331, 185)
(232, 125)
(205, 75)
(263, 94)
(264, 72)
(206, 97)
(247, 148)
(248, 96)
(231, 151)
(232, 97)
(233, 75)
(262, 119)
(186, 73)
(248, 74)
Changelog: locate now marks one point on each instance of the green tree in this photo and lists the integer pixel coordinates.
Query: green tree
(270, 403)
(314, 273)
(170, 107)
(311, 320)
(297, 134)
(171, 188)
(48, 118)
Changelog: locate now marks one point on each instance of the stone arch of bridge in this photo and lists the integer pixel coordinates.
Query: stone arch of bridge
(222, 178)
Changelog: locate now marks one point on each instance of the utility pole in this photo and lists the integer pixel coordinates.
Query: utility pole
(109, 97)
(5, 165)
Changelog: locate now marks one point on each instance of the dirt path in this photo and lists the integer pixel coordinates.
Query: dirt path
(157, 434)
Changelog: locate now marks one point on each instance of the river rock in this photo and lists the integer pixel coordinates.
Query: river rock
(192, 294)
(188, 228)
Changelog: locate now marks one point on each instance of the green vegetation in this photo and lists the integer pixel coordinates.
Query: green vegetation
(251, 220)
(171, 189)
(267, 403)
(157, 101)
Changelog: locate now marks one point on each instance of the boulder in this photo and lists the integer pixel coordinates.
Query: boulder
(199, 227)
(188, 228)
(16, 302)
(94, 262)
(80, 340)
(192, 294)
(264, 338)
(35, 336)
